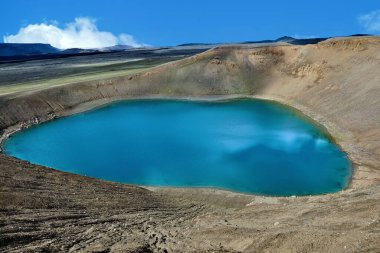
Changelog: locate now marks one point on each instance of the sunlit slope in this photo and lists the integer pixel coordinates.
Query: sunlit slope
(336, 82)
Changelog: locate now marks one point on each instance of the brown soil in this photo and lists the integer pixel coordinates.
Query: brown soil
(336, 82)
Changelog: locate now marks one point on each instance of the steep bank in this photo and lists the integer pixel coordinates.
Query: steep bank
(335, 82)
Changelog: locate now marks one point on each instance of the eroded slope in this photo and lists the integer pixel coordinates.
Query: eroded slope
(336, 82)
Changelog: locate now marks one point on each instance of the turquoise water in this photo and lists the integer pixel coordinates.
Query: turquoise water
(244, 145)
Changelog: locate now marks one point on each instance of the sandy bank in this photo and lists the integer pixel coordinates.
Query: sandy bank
(335, 82)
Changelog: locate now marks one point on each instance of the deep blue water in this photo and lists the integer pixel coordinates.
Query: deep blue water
(244, 145)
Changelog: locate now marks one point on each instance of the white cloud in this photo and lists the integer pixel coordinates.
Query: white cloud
(371, 21)
(126, 39)
(82, 33)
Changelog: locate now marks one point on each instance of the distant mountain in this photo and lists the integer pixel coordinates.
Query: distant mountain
(24, 49)
(305, 41)
(10, 52)
(78, 51)
(16, 52)
(360, 35)
(115, 48)
(195, 44)
(290, 40)
(285, 39)
(27, 51)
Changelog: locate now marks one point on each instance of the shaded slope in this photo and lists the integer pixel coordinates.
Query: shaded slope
(24, 49)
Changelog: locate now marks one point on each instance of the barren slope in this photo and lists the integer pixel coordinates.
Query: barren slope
(336, 82)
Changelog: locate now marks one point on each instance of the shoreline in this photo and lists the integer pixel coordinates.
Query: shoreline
(334, 82)
(97, 104)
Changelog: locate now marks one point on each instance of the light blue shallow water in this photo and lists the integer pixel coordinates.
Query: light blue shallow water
(246, 145)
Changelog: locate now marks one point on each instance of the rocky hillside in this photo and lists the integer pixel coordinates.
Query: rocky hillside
(336, 82)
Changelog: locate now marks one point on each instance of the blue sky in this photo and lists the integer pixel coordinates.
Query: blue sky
(174, 22)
